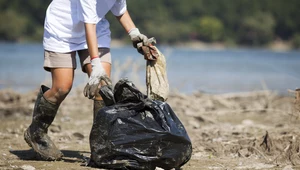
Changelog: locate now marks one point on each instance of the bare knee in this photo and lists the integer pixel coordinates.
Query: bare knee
(58, 94)
(61, 93)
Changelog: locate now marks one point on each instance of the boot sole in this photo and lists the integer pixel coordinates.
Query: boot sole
(27, 138)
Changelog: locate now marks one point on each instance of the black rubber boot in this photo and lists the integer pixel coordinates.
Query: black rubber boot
(98, 104)
(36, 134)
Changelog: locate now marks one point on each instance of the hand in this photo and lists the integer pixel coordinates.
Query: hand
(136, 38)
(92, 86)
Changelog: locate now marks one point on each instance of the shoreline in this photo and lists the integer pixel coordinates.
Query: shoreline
(228, 131)
(76, 88)
(212, 72)
(277, 46)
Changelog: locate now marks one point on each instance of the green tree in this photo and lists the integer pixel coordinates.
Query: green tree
(13, 25)
(209, 28)
(257, 29)
(250, 22)
(296, 41)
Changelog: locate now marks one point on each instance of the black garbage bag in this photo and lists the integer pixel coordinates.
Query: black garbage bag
(136, 132)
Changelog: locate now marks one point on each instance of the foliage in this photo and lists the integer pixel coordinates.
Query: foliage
(296, 41)
(250, 22)
(209, 28)
(22, 19)
(16, 26)
(257, 29)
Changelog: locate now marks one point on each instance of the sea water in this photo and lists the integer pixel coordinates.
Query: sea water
(189, 70)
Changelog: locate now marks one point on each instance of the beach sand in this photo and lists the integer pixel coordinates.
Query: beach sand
(253, 130)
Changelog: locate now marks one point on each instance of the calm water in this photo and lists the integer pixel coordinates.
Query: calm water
(189, 70)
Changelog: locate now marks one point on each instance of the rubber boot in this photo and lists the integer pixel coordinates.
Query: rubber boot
(36, 134)
(98, 104)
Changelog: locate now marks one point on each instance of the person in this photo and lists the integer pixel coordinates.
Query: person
(74, 26)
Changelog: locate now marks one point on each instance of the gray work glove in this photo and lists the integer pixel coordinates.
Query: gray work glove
(91, 87)
(136, 38)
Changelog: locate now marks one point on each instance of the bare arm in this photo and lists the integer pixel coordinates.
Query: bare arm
(126, 21)
(133, 32)
(97, 69)
(91, 39)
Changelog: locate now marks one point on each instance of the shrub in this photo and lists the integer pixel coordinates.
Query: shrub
(257, 29)
(12, 26)
(296, 41)
(209, 28)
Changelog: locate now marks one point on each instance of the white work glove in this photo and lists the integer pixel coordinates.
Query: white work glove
(92, 86)
(136, 38)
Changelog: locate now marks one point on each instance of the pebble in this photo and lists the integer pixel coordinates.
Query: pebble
(194, 124)
(288, 167)
(247, 122)
(65, 119)
(55, 128)
(78, 136)
(27, 167)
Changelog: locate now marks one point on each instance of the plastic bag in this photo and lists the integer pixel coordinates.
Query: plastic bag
(156, 71)
(156, 78)
(137, 133)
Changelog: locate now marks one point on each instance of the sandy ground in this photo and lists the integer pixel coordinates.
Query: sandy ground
(255, 130)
